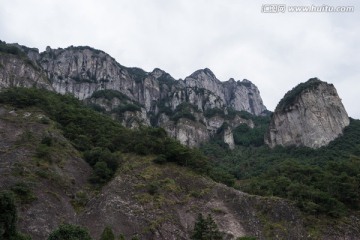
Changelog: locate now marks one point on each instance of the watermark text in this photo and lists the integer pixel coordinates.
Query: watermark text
(283, 8)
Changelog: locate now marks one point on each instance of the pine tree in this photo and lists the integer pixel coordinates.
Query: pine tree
(206, 229)
(107, 234)
(8, 215)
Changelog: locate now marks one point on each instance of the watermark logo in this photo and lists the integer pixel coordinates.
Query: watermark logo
(282, 8)
(273, 8)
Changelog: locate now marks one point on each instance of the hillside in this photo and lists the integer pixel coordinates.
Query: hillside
(323, 183)
(46, 164)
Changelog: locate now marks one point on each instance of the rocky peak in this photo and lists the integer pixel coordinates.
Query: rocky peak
(157, 72)
(203, 74)
(311, 115)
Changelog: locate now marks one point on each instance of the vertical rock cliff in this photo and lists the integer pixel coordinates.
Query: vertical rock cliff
(311, 115)
(16, 70)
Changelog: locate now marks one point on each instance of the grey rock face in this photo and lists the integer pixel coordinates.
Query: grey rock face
(229, 138)
(17, 72)
(83, 71)
(240, 95)
(188, 132)
(310, 115)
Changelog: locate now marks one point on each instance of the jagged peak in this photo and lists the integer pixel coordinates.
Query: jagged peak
(161, 75)
(158, 70)
(50, 50)
(205, 71)
(246, 81)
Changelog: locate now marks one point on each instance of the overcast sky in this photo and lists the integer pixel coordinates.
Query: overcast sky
(233, 38)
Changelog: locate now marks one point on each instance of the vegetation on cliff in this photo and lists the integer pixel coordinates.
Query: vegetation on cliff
(291, 95)
(100, 138)
(321, 182)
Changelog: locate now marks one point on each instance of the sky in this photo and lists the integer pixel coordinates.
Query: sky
(240, 39)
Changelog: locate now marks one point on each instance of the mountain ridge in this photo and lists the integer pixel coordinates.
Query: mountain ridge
(83, 70)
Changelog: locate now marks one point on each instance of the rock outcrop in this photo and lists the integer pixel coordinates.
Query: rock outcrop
(16, 71)
(309, 115)
(133, 96)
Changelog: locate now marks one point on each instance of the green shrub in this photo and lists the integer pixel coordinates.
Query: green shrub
(246, 136)
(206, 229)
(102, 173)
(131, 107)
(211, 112)
(23, 192)
(161, 159)
(153, 188)
(46, 141)
(43, 151)
(8, 215)
(96, 107)
(184, 110)
(5, 48)
(107, 234)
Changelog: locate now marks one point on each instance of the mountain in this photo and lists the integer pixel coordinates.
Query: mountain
(190, 110)
(63, 162)
(310, 115)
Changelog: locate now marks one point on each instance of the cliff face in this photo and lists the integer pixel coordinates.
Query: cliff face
(310, 115)
(18, 71)
(154, 98)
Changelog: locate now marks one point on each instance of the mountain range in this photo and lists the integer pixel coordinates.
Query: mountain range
(87, 141)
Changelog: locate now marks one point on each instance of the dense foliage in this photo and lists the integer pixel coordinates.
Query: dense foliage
(70, 232)
(126, 104)
(8, 217)
(184, 110)
(6, 48)
(137, 74)
(322, 181)
(244, 135)
(291, 95)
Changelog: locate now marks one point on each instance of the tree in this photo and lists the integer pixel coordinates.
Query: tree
(70, 232)
(8, 215)
(206, 229)
(107, 234)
